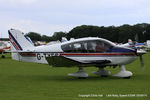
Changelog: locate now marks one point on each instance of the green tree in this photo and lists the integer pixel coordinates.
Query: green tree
(45, 38)
(125, 33)
(84, 31)
(34, 36)
(58, 35)
(119, 34)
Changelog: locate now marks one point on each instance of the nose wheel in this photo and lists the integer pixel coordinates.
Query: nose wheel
(123, 73)
(80, 73)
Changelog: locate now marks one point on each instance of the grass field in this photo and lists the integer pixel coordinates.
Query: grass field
(31, 81)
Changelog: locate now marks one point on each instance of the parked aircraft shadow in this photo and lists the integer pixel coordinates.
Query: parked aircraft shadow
(64, 78)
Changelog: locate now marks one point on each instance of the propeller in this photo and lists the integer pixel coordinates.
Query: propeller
(140, 53)
(141, 61)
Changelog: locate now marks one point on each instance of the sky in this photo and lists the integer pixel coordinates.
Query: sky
(49, 16)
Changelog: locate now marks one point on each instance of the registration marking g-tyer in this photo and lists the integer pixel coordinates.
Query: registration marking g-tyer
(44, 55)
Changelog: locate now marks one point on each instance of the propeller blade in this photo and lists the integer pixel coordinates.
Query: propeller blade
(140, 52)
(141, 61)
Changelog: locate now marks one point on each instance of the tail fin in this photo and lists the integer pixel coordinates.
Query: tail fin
(18, 40)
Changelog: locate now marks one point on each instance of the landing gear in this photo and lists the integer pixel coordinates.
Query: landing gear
(123, 73)
(102, 72)
(80, 73)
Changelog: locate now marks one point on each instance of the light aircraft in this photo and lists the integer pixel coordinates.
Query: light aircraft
(134, 45)
(4, 47)
(129, 44)
(148, 45)
(83, 52)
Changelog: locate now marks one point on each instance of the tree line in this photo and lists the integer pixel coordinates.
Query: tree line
(119, 34)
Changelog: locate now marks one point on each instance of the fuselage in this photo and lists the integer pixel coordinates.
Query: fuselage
(90, 50)
(86, 50)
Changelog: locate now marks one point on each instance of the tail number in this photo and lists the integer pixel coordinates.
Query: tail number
(46, 55)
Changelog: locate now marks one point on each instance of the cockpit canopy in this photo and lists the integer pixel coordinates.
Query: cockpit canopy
(94, 46)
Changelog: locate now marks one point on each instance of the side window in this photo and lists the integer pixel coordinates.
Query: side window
(80, 47)
(97, 46)
(84, 46)
(77, 47)
(67, 48)
(87, 46)
(100, 46)
(91, 46)
(107, 46)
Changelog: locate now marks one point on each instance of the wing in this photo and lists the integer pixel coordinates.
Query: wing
(61, 61)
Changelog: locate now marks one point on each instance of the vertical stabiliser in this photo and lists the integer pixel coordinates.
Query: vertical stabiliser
(18, 42)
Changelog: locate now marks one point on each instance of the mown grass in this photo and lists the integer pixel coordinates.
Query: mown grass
(31, 81)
